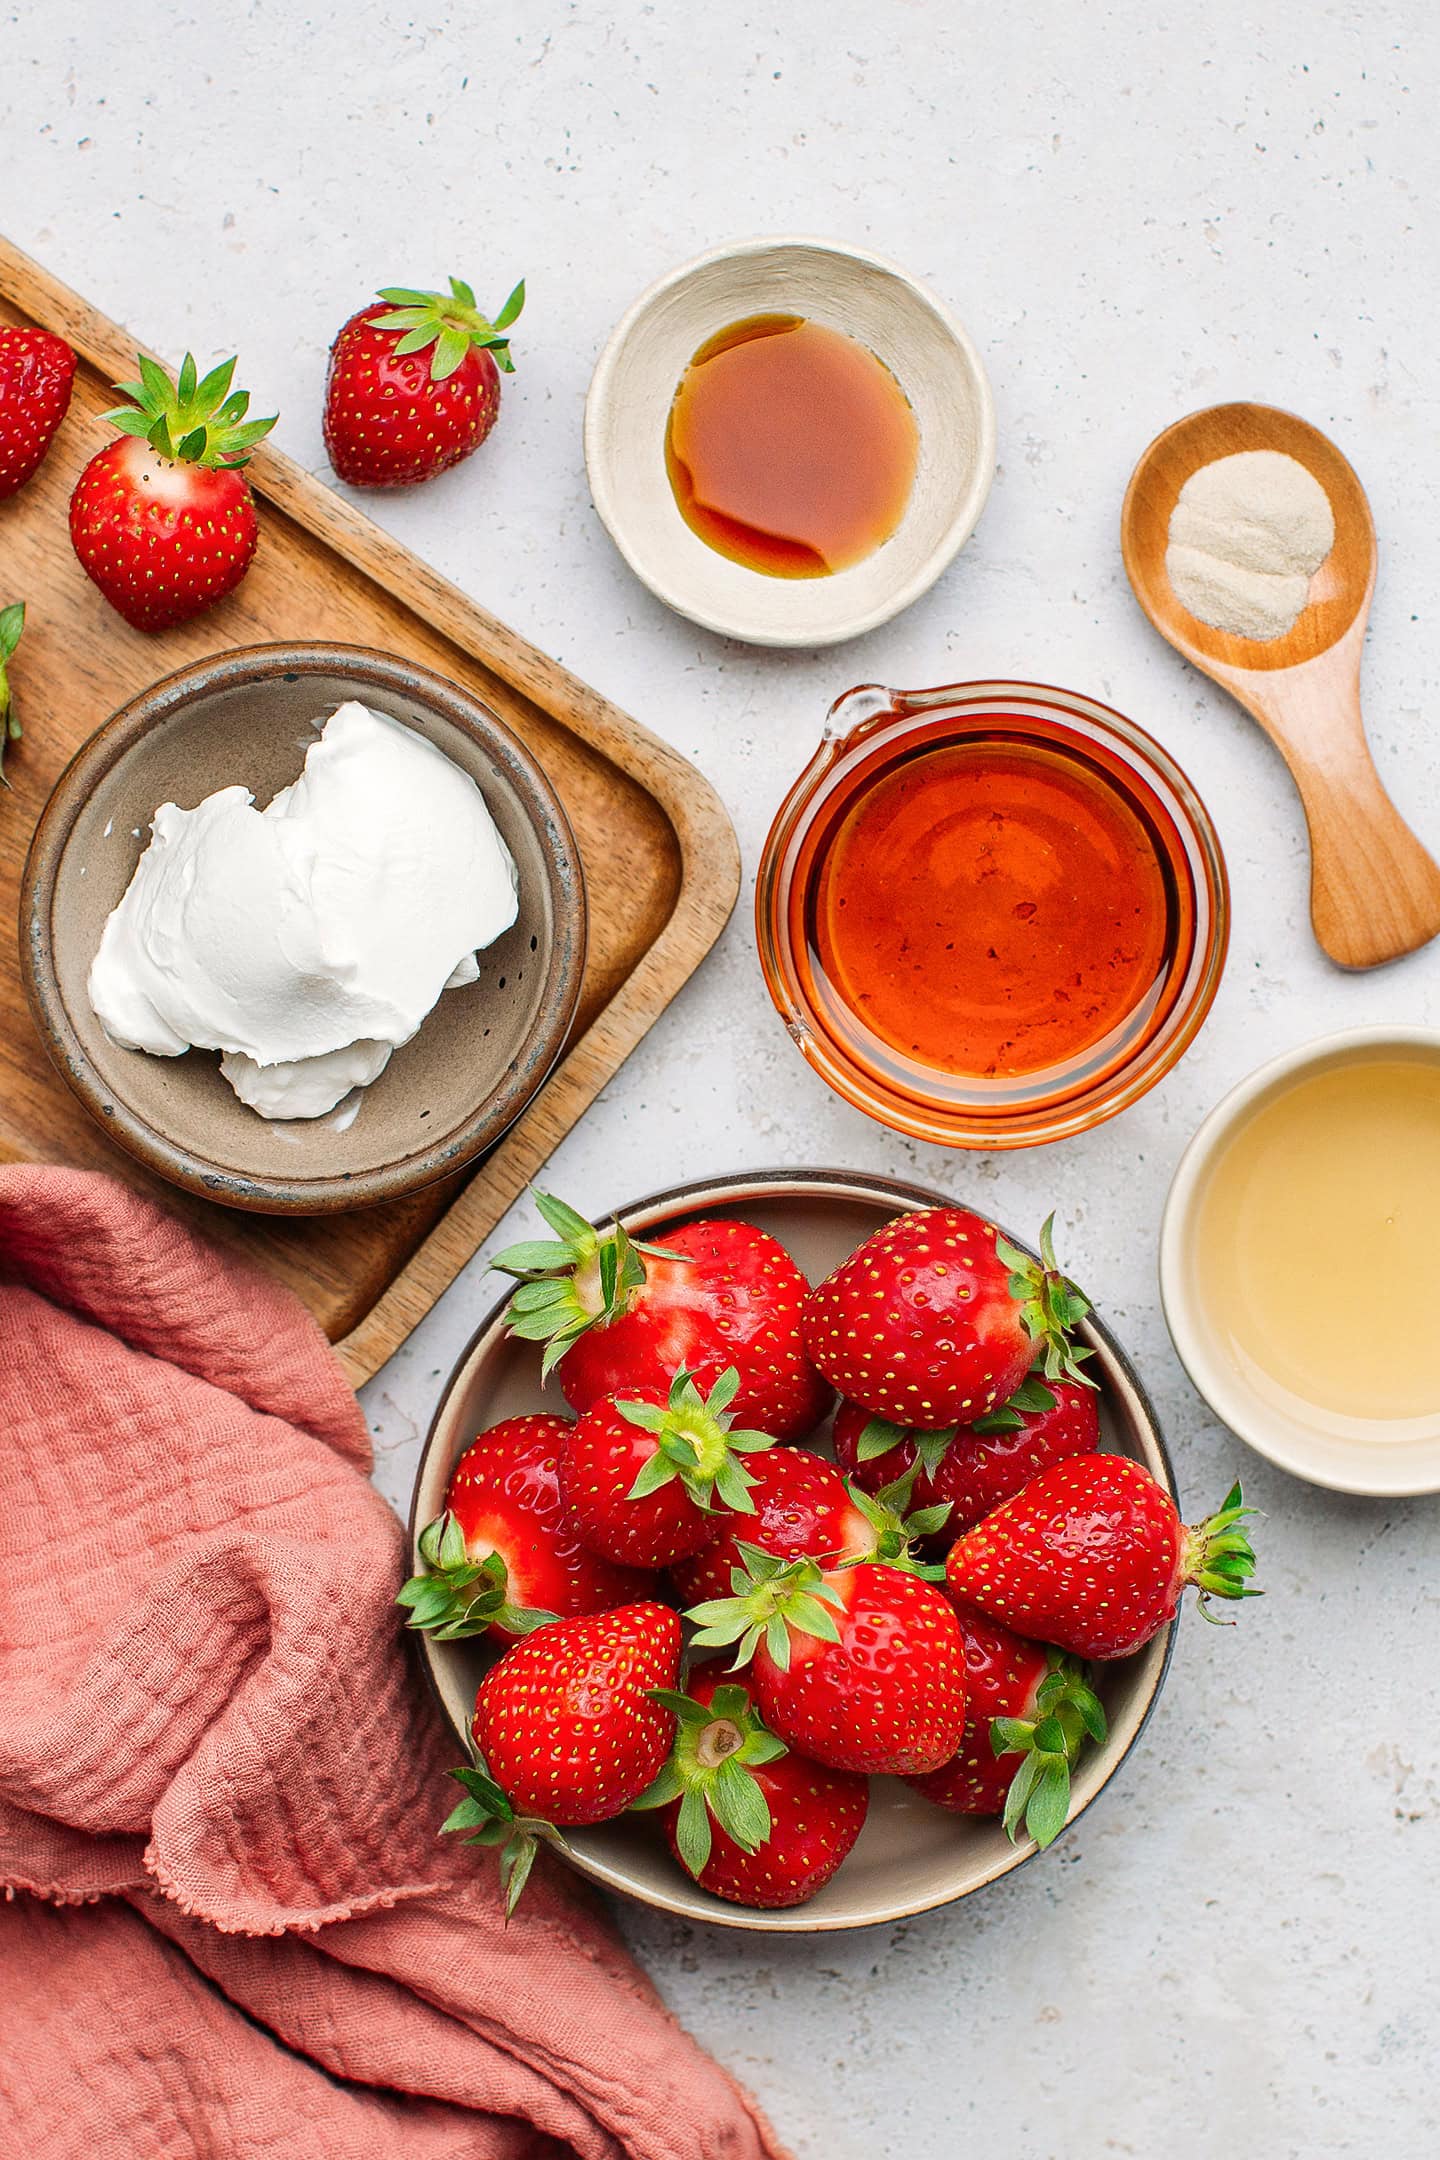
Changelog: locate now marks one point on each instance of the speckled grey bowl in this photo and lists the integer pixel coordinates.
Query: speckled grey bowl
(445, 1096)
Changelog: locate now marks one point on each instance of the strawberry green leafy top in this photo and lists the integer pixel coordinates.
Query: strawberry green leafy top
(575, 1280)
(458, 1596)
(710, 1771)
(12, 622)
(451, 323)
(196, 419)
(1067, 1713)
(1050, 1306)
(696, 1443)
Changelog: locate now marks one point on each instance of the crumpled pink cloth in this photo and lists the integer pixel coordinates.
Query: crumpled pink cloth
(231, 1927)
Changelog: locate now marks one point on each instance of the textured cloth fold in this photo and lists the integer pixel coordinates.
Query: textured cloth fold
(231, 1927)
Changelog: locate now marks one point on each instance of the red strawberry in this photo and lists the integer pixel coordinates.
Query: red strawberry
(801, 1507)
(860, 1667)
(937, 1318)
(781, 1825)
(974, 1467)
(647, 1478)
(414, 384)
(1028, 1713)
(37, 375)
(566, 1731)
(12, 622)
(615, 1316)
(163, 520)
(504, 1557)
(1091, 1556)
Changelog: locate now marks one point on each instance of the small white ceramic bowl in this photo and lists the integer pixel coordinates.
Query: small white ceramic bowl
(1380, 1458)
(874, 301)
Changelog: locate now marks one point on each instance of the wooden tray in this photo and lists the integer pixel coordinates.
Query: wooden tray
(642, 816)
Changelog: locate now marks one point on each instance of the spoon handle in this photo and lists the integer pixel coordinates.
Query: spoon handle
(1374, 890)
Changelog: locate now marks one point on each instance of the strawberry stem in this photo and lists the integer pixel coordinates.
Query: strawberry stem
(1218, 1558)
(457, 1596)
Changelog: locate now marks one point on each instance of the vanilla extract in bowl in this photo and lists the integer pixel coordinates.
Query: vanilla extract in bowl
(1315, 1243)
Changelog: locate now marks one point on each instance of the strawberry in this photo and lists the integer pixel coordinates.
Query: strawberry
(1028, 1713)
(861, 1667)
(566, 1731)
(803, 1508)
(749, 1820)
(414, 384)
(504, 1558)
(12, 622)
(973, 1467)
(937, 1318)
(641, 1475)
(163, 520)
(615, 1315)
(1092, 1557)
(37, 375)
(800, 1507)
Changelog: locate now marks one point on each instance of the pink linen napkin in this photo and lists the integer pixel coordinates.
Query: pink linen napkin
(230, 1926)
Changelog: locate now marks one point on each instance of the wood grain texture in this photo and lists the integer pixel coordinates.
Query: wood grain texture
(640, 811)
(1374, 889)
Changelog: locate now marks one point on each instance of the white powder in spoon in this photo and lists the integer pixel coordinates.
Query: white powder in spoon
(1246, 536)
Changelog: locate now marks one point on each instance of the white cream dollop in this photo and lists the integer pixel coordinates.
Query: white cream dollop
(308, 940)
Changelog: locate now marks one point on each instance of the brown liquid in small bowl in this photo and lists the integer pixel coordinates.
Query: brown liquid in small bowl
(790, 447)
(991, 914)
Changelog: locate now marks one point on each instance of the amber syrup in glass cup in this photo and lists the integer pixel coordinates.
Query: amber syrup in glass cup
(991, 914)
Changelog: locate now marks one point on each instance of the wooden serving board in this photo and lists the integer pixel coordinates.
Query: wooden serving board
(641, 813)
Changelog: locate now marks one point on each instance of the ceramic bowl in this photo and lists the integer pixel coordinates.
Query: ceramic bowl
(444, 1097)
(905, 325)
(1382, 1458)
(866, 731)
(911, 1856)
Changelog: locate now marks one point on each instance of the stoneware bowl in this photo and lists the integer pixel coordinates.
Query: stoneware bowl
(1384, 1458)
(450, 1092)
(910, 1856)
(874, 301)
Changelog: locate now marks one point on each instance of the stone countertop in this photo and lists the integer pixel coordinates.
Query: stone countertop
(1135, 213)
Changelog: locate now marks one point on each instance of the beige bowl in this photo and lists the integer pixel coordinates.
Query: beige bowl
(1382, 1458)
(444, 1097)
(925, 348)
(910, 1856)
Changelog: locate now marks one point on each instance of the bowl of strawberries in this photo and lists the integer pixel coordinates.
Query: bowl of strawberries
(795, 1551)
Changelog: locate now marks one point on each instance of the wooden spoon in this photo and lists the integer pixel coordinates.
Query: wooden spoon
(1374, 891)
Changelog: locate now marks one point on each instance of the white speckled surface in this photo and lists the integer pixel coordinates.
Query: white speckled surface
(1134, 212)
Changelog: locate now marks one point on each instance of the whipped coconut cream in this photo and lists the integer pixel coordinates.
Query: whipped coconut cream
(308, 940)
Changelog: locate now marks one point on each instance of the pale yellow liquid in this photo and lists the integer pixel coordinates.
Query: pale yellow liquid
(1317, 1254)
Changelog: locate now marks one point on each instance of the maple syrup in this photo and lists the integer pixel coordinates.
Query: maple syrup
(790, 447)
(991, 909)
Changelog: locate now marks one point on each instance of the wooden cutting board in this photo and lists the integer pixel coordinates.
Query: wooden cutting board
(655, 839)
